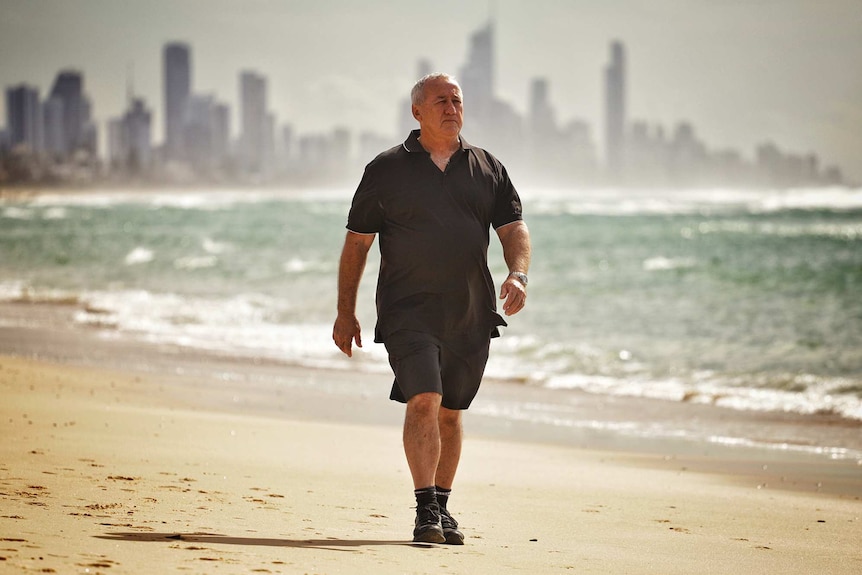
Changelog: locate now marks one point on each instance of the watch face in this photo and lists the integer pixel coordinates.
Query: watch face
(520, 277)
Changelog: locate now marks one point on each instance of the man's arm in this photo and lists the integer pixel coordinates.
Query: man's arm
(353, 257)
(515, 239)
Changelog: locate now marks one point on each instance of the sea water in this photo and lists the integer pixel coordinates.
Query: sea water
(748, 300)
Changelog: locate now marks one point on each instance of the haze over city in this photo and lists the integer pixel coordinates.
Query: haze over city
(742, 73)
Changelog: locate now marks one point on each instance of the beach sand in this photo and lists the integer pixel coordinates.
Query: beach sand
(106, 470)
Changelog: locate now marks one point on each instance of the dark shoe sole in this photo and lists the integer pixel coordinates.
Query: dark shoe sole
(429, 534)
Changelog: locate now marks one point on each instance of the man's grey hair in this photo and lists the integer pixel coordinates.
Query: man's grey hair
(418, 91)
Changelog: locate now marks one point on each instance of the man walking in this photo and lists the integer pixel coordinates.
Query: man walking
(433, 201)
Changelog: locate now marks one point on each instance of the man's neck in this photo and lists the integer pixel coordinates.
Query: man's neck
(444, 146)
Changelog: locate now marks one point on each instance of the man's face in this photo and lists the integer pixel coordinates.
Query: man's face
(441, 112)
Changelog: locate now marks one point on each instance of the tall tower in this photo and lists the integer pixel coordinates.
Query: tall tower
(221, 132)
(615, 110)
(177, 84)
(138, 120)
(477, 75)
(69, 89)
(53, 129)
(253, 121)
(542, 121)
(24, 118)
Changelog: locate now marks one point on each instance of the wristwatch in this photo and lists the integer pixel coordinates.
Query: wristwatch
(520, 276)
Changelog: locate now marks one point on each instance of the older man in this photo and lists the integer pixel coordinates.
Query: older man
(433, 201)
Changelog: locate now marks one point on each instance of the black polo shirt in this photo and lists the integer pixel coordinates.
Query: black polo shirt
(434, 233)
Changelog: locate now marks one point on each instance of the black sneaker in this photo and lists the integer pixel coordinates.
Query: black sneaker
(428, 528)
(450, 528)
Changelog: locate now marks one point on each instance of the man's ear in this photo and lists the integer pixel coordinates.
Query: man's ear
(415, 111)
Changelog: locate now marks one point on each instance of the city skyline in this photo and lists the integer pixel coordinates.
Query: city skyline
(329, 97)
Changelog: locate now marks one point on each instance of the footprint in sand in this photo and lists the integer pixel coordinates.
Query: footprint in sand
(99, 564)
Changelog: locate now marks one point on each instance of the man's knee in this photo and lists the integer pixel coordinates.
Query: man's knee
(450, 418)
(424, 405)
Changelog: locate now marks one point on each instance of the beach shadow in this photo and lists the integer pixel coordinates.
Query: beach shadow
(331, 543)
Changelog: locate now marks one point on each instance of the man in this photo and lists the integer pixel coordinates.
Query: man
(433, 200)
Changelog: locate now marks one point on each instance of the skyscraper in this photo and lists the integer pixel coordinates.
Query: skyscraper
(138, 131)
(615, 111)
(177, 84)
(253, 120)
(476, 80)
(53, 130)
(198, 132)
(24, 118)
(221, 132)
(69, 89)
(477, 75)
(542, 121)
(130, 139)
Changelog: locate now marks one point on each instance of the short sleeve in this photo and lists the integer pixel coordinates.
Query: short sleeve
(366, 213)
(507, 205)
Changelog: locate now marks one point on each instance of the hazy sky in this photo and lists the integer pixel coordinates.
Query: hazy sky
(742, 71)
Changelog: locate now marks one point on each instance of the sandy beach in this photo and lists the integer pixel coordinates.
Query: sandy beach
(108, 469)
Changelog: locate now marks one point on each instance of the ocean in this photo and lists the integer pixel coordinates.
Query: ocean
(742, 300)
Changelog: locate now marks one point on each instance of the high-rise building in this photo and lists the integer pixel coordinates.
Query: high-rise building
(24, 118)
(542, 121)
(615, 111)
(477, 75)
(287, 146)
(198, 133)
(269, 127)
(117, 152)
(221, 132)
(69, 89)
(543, 140)
(207, 133)
(53, 129)
(89, 141)
(253, 121)
(177, 85)
(138, 124)
(130, 139)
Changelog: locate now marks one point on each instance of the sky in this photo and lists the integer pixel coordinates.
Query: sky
(743, 72)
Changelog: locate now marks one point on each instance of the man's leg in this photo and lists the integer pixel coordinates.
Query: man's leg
(422, 448)
(422, 438)
(450, 454)
(450, 446)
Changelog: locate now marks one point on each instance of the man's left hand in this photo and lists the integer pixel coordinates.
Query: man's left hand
(515, 295)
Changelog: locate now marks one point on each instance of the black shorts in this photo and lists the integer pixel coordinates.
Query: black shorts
(423, 363)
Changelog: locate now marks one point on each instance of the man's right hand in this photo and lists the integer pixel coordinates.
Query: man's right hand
(345, 331)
